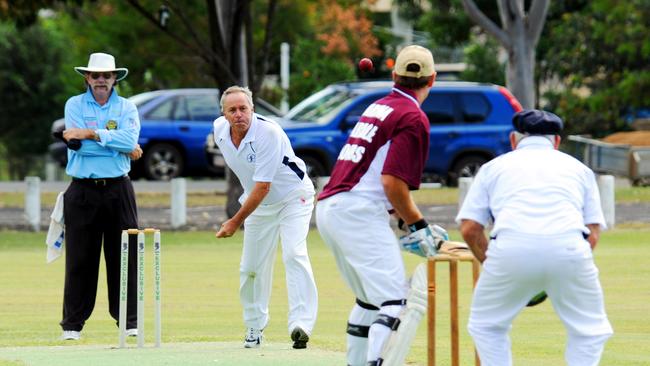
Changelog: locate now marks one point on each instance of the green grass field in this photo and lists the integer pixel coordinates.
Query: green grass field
(202, 315)
(441, 196)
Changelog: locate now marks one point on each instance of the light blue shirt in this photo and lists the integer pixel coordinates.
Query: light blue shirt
(118, 126)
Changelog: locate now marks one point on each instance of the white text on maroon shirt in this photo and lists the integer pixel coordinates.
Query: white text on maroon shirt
(352, 152)
(378, 111)
(364, 131)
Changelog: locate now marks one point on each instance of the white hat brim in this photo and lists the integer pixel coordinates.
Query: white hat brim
(121, 71)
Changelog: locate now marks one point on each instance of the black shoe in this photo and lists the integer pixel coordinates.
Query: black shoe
(299, 338)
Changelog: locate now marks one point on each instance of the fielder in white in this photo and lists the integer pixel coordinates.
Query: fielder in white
(277, 202)
(546, 214)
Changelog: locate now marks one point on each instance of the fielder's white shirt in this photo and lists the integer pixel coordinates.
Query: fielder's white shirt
(534, 189)
(264, 155)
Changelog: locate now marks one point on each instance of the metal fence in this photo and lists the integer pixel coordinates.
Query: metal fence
(616, 159)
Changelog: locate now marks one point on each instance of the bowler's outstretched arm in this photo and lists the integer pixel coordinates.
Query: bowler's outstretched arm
(229, 227)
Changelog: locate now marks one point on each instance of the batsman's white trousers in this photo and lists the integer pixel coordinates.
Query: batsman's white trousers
(518, 267)
(287, 220)
(367, 254)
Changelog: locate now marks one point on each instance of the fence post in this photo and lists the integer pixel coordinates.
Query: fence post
(50, 169)
(179, 202)
(607, 200)
(33, 202)
(463, 187)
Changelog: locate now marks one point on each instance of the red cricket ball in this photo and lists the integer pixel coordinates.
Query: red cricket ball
(365, 64)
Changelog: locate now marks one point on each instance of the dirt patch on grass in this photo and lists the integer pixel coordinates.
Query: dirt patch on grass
(634, 138)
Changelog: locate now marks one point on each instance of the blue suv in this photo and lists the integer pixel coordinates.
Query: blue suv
(470, 124)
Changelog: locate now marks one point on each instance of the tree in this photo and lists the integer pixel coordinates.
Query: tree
(446, 21)
(153, 59)
(24, 13)
(343, 34)
(599, 51)
(229, 50)
(483, 66)
(451, 29)
(312, 71)
(32, 93)
(519, 35)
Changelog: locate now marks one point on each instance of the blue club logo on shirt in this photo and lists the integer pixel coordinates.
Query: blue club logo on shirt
(250, 158)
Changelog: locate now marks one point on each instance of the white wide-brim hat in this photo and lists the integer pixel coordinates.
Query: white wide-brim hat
(102, 62)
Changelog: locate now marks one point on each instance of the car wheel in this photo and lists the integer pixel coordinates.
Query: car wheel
(163, 162)
(315, 169)
(467, 166)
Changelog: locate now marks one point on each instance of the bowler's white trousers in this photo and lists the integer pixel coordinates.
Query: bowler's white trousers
(287, 220)
(518, 267)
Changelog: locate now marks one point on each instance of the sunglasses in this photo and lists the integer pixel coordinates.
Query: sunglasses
(96, 75)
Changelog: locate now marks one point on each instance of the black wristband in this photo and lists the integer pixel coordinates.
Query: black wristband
(418, 225)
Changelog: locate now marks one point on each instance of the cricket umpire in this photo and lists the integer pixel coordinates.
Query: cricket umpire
(546, 214)
(100, 200)
(277, 202)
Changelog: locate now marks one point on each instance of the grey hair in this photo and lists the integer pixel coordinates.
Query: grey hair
(519, 136)
(237, 89)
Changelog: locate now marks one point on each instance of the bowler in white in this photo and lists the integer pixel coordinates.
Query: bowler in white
(277, 203)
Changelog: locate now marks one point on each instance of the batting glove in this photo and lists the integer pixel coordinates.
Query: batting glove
(424, 242)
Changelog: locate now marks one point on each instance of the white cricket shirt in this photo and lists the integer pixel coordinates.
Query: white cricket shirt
(264, 155)
(534, 189)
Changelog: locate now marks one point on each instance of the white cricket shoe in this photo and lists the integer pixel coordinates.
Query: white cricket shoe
(133, 332)
(253, 338)
(71, 335)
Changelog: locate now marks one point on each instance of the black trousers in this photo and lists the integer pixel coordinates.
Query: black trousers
(95, 210)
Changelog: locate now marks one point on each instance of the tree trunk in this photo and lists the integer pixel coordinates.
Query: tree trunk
(233, 192)
(519, 36)
(238, 34)
(520, 72)
(233, 15)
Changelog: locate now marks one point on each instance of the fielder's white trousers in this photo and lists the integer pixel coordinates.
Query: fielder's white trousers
(518, 267)
(289, 221)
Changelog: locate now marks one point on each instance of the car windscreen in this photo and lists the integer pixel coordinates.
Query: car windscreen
(141, 99)
(263, 110)
(322, 106)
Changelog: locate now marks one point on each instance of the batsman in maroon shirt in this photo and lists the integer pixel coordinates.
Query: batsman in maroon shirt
(377, 168)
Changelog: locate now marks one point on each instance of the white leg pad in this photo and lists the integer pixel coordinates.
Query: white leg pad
(397, 347)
